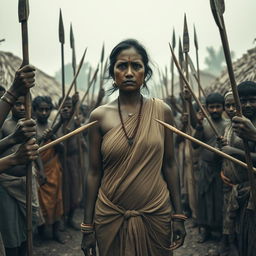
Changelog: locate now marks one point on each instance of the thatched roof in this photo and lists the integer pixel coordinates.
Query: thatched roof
(45, 84)
(244, 69)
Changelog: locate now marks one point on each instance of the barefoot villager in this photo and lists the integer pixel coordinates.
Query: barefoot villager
(210, 193)
(72, 178)
(241, 209)
(132, 195)
(17, 148)
(49, 193)
(228, 245)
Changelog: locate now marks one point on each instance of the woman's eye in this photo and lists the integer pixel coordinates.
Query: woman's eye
(121, 66)
(137, 66)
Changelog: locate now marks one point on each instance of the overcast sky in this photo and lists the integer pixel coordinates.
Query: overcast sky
(110, 21)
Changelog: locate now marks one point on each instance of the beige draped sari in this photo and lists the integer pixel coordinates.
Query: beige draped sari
(133, 209)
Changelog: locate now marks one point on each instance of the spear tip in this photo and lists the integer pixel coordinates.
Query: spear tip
(102, 53)
(23, 10)
(218, 8)
(185, 35)
(61, 29)
(173, 39)
(72, 39)
(195, 38)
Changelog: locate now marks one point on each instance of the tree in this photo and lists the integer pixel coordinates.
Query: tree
(215, 60)
(82, 77)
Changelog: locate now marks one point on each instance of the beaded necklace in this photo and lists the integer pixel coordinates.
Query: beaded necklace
(130, 139)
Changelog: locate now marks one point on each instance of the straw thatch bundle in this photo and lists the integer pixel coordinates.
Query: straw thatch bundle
(45, 84)
(244, 69)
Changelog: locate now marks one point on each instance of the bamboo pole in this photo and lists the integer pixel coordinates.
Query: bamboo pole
(70, 88)
(193, 94)
(67, 136)
(202, 144)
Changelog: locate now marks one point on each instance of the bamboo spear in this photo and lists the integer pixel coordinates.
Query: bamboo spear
(165, 79)
(172, 66)
(84, 96)
(66, 136)
(197, 65)
(23, 12)
(62, 42)
(181, 62)
(70, 88)
(200, 143)
(195, 74)
(218, 9)
(186, 46)
(193, 94)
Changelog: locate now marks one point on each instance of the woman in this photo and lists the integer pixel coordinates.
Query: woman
(132, 189)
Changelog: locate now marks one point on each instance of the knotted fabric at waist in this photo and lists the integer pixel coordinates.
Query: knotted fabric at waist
(127, 213)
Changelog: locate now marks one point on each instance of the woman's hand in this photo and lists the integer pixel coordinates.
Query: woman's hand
(179, 234)
(88, 245)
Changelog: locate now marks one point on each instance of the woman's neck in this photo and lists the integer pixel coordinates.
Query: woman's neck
(129, 98)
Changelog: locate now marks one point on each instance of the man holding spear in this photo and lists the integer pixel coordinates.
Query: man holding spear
(210, 195)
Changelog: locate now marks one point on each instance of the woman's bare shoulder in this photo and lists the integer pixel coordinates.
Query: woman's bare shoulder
(99, 112)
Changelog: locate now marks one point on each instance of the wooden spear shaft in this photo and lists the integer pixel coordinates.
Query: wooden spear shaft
(198, 76)
(62, 42)
(193, 94)
(67, 136)
(23, 18)
(202, 144)
(82, 100)
(195, 74)
(69, 90)
(218, 8)
(62, 71)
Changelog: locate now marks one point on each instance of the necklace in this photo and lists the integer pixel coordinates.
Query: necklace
(130, 139)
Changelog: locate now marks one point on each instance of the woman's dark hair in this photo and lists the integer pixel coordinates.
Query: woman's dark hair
(246, 88)
(127, 44)
(39, 99)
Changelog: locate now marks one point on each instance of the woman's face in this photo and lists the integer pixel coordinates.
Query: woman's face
(129, 70)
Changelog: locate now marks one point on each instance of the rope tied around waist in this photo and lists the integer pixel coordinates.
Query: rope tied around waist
(131, 213)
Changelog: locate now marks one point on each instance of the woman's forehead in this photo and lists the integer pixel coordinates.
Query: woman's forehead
(129, 54)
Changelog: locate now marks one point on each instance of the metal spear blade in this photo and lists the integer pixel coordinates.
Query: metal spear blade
(61, 29)
(102, 53)
(23, 10)
(195, 38)
(72, 40)
(173, 39)
(181, 57)
(185, 36)
(218, 8)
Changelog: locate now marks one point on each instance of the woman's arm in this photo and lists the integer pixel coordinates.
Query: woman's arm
(170, 168)
(95, 168)
(171, 175)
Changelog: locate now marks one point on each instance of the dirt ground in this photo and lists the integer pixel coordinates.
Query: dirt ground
(73, 241)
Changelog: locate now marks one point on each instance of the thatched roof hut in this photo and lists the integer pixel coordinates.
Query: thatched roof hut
(45, 84)
(244, 69)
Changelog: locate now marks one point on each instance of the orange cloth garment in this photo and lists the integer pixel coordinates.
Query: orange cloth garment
(50, 194)
(133, 209)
